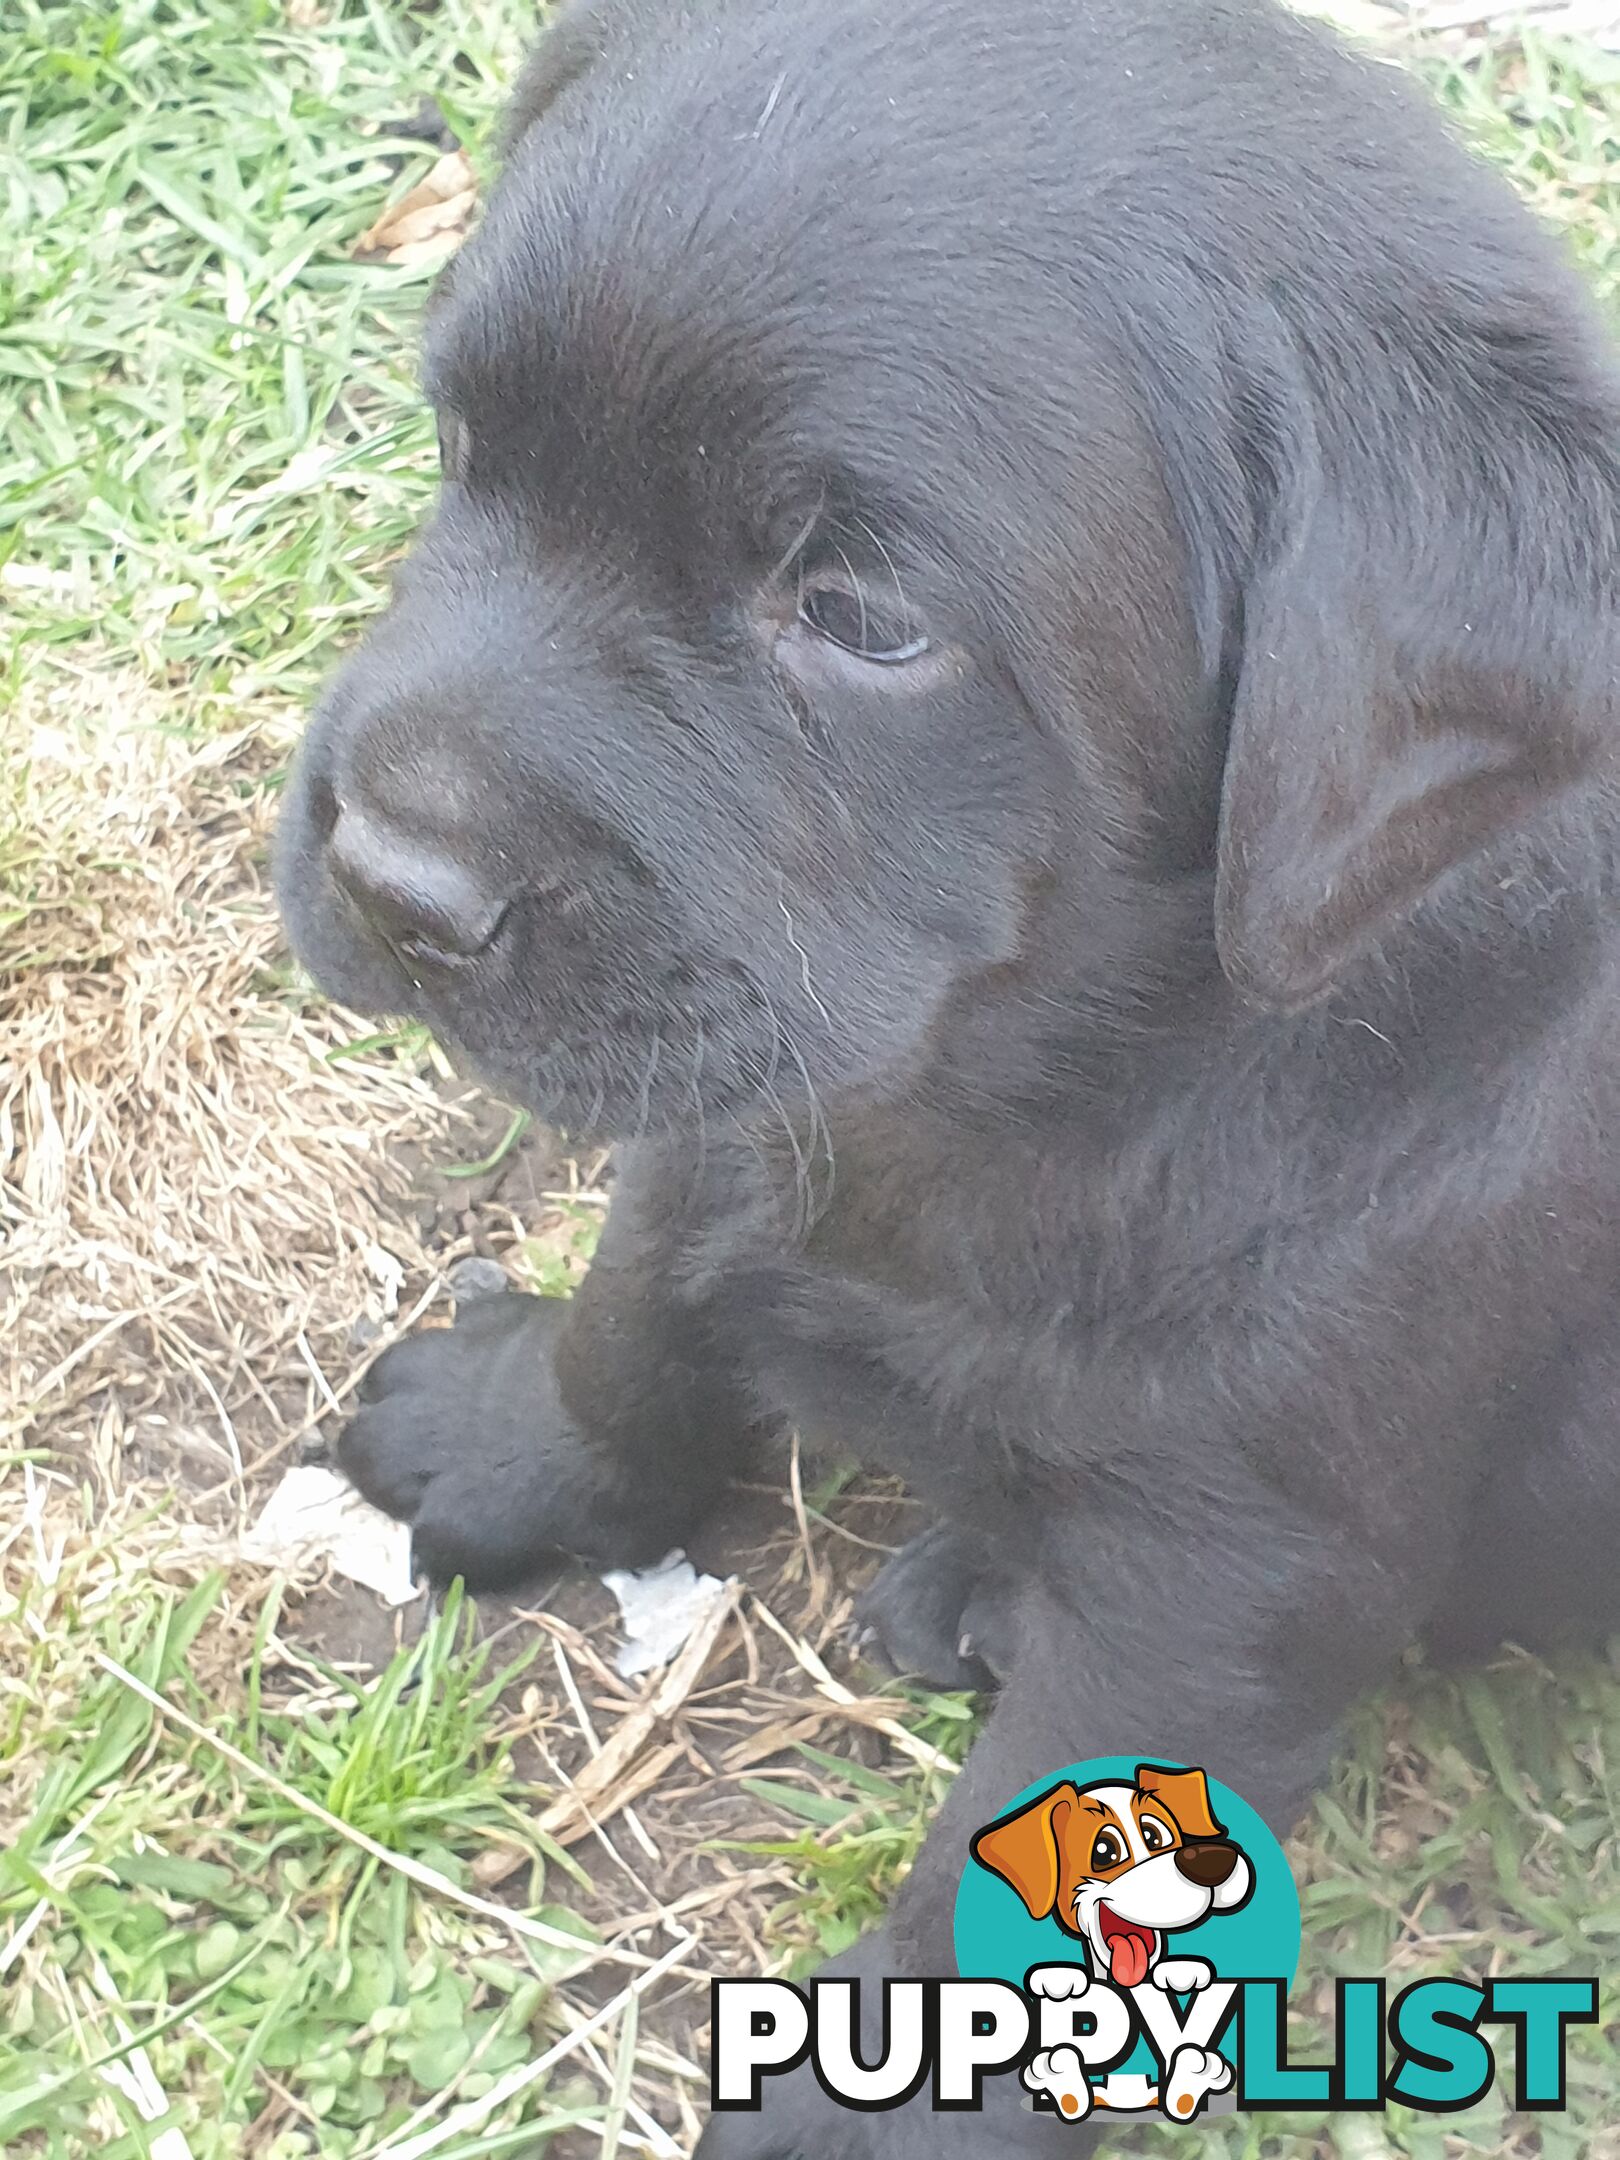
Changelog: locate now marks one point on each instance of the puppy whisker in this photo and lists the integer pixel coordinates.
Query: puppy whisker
(801, 1171)
(698, 1044)
(820, 1130)
(810, 989)
(644, 1101)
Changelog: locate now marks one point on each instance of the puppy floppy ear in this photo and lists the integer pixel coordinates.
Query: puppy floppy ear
(1185, 1793)
(1427, 651)
(1023, 1849)
(573, 40)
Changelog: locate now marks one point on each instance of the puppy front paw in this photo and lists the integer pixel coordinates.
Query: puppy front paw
(1182, 1976)
(1058, 1983)
(1061, 2075)
(1194, 2074)
(461, 1432)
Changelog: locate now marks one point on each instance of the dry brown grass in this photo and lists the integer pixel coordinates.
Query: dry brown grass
(197, 1203)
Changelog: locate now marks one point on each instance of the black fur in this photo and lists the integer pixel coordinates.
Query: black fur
(1145, 1069)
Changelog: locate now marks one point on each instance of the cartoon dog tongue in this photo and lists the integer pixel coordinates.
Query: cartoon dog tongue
(1129, 1948)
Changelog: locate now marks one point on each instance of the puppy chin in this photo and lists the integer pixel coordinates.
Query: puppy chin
(627, 1080)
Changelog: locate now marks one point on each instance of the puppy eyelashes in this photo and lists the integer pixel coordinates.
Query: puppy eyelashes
(868, 617)
(845, 615)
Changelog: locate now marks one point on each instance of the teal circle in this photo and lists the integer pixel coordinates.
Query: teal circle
(996, 1939)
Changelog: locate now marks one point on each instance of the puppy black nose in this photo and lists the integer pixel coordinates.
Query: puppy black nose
(1207, 1863)
(425, 905)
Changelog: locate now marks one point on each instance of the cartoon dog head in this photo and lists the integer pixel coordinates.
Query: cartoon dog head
(1120, 1866)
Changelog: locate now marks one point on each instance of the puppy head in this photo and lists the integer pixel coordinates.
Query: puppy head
(693, 766)
(1120, 1866)
(895, 589)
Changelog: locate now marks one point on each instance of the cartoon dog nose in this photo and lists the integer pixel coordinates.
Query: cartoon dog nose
(425, 905)
(1207, 1863)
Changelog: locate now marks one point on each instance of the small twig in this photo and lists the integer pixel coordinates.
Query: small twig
(64, 1855)
(835, 1691)
(611, 1779)
(323, 1386)
(133, 2075)
(813, 1567)
(619, 2089)
(576, 1701)
(715, 1893)
(656, 2140)
(233, 1446)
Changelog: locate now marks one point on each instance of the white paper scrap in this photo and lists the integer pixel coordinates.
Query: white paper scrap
(313, 1514)
(661, 1607)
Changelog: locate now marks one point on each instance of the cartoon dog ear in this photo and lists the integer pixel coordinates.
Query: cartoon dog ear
(1023, 1849)
(1185, 1793)
(1426, 650)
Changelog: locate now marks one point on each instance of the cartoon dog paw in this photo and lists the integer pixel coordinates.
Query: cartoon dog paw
(1061, 2074)
(1182, 1976)
(1059, 1983)
(1194, 2074)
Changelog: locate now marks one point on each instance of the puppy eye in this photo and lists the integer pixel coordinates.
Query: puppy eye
(878, 629)
(453, 445)
(1154, 1835)
(1108, 1850)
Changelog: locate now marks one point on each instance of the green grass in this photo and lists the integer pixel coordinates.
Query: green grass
(211, 448)
(862, 1831)
(212, 443)
(1549, 114)
(157, 1894)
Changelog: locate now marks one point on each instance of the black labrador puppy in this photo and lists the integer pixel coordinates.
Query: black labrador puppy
(1013, 684)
